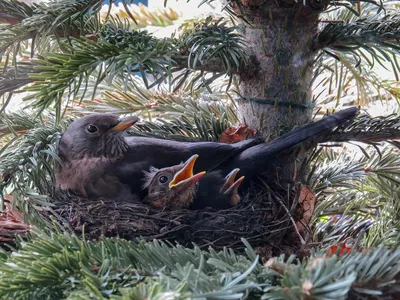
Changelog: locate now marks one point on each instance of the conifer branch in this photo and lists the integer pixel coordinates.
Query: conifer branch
(39, 20)
(365, 41)
(369, 130)
(210, 47)
(12, 79)
(119, 52)
(356, 195)
(64, 265)
(29, 156)
(81, 21)
(241, 8)
(365, 32)
(348, 277)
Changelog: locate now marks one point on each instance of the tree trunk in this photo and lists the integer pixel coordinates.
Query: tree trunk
(279, 42)
(279, 97)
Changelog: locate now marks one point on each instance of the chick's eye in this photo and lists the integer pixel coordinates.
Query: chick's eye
(92, 128)
(163, 179)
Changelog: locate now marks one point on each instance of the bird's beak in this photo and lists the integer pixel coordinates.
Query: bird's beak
(124, 124)
(230, 184)
(235, 186)
(185, 176)
(230, 179)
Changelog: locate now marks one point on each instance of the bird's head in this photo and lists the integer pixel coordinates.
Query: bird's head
(96, 135)
(172, 187)
(231, 187)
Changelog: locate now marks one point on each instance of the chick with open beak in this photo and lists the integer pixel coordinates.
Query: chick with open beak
(231, 187)
(176, 187)
(217, 191)
(172, 187)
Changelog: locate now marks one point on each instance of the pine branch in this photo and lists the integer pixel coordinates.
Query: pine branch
(126, 52)
(29, 156)
(373, 171)
(39, 21)
(351, 81)
(333, 229)
(368, 32)
(214, 40)
(336, 172)
(12, 79)
(64, 265)
(211, 47)
(17, 10)
(373, 273)
(43, 21)
(354, 76)
(56, 72)
(369, 130)
(357, 195)
(365, 40)
(237, 8)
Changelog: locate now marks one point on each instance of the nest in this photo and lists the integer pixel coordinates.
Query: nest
(264, 219)
(272, 217)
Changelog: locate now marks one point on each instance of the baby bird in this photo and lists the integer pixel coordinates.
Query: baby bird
(176, 187)
(217, 191)
(172, 187)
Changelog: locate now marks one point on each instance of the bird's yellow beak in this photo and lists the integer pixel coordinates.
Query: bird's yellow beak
(234, 187)
(230, 183)
(185, 176)
(124, 124)
(230, 179)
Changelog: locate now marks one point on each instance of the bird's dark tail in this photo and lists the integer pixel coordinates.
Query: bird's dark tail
(255, 157)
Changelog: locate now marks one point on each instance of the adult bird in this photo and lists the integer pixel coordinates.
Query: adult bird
(177, 187)
(89, 150)
(100, 160)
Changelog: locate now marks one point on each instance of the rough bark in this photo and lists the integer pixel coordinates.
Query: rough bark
(279, 97)
(279, 40)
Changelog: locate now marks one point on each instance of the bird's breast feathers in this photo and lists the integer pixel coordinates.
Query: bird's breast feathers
(85, 175)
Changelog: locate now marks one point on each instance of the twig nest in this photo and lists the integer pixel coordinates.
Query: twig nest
(264, 220)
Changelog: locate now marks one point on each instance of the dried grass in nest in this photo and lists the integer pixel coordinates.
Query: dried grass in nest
(260, 218)
(11, 224)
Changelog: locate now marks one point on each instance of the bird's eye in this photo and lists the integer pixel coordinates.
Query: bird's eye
(92, 128)
(163, 179)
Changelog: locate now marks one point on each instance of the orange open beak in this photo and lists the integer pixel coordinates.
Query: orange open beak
(185, 176)
(230, 183)
(124, 124)
(229, 179)
(234, 187)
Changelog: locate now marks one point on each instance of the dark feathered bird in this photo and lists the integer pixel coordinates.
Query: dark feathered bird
(98, 160)
(176, 187)
(89, 150)
(260, 158)
(218, 191)
(146, 152)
